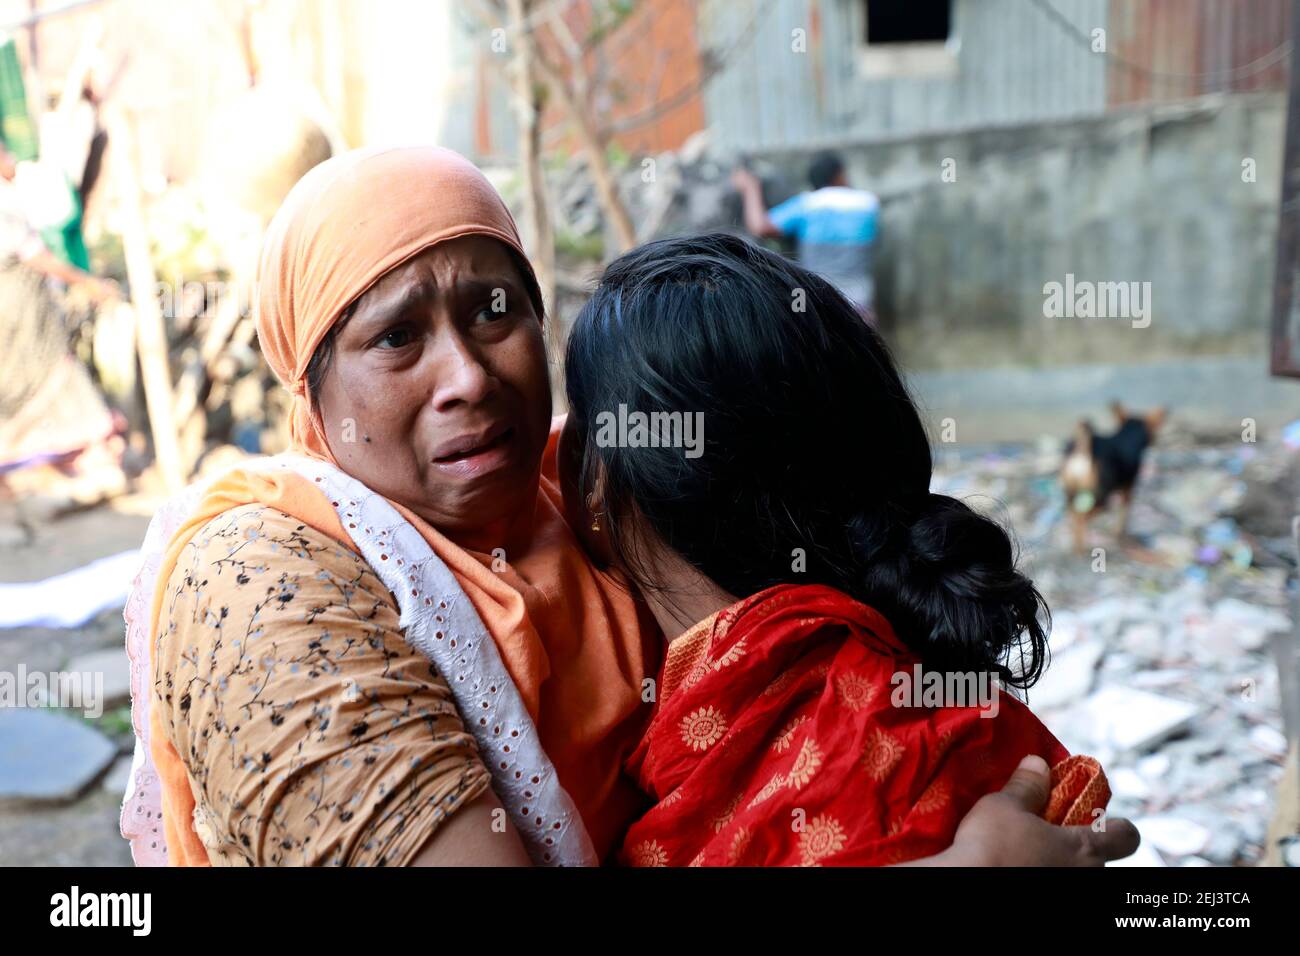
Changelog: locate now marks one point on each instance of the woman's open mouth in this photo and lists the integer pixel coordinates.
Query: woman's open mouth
(472, 457)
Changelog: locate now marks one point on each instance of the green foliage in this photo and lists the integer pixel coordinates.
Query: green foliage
(572, 246)
(114, 723)
(607, 17)
(617, 156)
(181, 244)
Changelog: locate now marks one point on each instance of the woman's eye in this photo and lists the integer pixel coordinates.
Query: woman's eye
(487, 314)
(395, 339)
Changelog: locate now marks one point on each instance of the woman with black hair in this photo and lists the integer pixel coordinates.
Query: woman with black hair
(839, 634)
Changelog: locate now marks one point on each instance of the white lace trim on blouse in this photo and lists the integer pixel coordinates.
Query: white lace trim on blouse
(437, 619)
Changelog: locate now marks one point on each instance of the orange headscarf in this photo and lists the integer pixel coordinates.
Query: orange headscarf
(578, 662)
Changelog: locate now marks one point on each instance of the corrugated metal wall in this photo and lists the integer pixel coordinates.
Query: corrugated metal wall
(1018, 61)
(1185, 48)
(1014, 62)
(1014, 65)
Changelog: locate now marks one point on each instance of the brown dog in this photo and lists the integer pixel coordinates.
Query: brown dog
(1099, 466)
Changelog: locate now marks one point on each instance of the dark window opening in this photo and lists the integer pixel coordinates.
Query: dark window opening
(908, 21)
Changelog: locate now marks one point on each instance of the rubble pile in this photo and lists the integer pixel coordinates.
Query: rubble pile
(1161, 664)
(670, 193)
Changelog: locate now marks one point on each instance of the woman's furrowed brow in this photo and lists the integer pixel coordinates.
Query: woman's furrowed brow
(400, 301)
(477, 286)
(397, 303)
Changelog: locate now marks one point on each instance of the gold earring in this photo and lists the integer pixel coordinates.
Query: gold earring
(595, 521)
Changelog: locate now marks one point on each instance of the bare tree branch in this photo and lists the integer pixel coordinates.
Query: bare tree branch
(713, 63)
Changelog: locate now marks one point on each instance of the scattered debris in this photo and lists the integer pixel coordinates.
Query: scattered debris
(1117, 721)
(1173, 835)
(1161, 664)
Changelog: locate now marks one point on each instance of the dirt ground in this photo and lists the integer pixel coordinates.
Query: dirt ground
(84, 832)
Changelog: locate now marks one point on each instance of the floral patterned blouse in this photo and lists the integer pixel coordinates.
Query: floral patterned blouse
(312, 732)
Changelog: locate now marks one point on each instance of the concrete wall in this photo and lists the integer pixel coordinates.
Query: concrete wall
(1153, 195)
(794, 71)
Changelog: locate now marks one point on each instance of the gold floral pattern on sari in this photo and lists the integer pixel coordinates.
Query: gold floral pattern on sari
(805, 765)
(727, 814)
(780, 683)
(683, 664)
(703, 728)
(934, 798)
(650, 853)
(822, 836)
(854, 691)
(786, 736)
(881, 754)
(739, 844)
(773, 786)
(734, 653)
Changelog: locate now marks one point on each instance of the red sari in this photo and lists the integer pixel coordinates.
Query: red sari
(775, 743)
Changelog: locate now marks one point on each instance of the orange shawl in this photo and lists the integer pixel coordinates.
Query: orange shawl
(570, 635)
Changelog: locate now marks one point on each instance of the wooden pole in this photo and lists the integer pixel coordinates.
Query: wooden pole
(1285, 346)
(151, 334)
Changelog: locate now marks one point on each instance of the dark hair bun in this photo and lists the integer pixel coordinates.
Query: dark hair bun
(945, 576)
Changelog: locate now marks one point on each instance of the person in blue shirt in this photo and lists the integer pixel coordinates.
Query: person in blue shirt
(835, 225)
